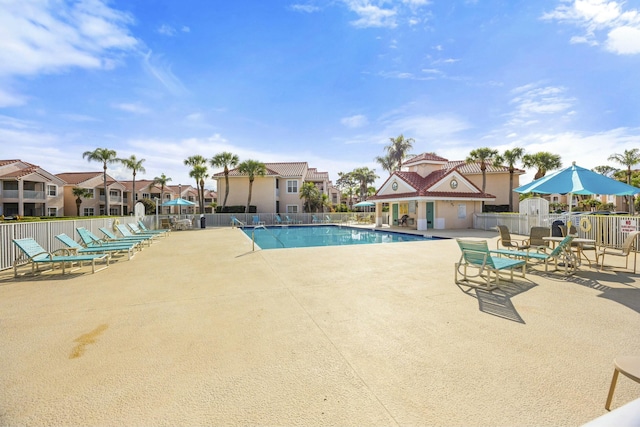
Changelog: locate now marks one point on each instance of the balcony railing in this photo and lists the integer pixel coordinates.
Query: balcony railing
(26, 194)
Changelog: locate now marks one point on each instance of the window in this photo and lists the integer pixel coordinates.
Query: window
(90, 194)
(52, 190)
(292, 209)
(52, 212)
(88, 212)
(113, 193)
(292, 186)
(144, 196)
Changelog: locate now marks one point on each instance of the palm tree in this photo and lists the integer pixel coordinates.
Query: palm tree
(80, 193)
(225, 160)
(162, 181)
(346, 183)
(134, 165)
(605, 170)
(510, 157)
(387, 163)
(398, 149)
(252, 168)
(105, 156)
(199, 172)
(543, 161)
(364, 176)
(310, 193)
(483, 156)
(628, 159)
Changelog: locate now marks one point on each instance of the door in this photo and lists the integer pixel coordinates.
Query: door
(429, 215)
(395, 214)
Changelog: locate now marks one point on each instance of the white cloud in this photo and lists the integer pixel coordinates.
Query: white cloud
(624, 40)
(9, 99)
(604, 23)
(531, 100)
(356, 121)
(307, 8)
(44, 37)
(166, 30)
(131, 108)
(161, 71)
(372, 15)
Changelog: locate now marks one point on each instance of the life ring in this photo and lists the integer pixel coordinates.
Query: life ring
(115, 225)
(585, 225)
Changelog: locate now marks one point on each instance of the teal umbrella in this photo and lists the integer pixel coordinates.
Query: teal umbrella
(178, 202)
(577, 180)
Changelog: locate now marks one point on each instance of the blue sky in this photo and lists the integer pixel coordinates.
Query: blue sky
(327, 82)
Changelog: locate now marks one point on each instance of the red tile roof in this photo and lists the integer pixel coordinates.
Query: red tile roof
(424, 157)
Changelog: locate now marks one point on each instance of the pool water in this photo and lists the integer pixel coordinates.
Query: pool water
(324, 235)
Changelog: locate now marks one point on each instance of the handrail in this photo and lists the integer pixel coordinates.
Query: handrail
(253, 236)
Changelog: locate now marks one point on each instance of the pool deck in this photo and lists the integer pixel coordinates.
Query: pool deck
(198, 329)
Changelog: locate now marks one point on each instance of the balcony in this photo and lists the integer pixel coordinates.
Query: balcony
(26, 194)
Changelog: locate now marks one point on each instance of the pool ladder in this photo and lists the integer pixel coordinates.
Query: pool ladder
(253, 236)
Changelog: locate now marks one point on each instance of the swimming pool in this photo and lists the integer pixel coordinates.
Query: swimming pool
(324, 235)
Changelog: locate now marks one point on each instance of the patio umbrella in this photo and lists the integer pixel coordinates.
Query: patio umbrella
(364, 204)
(577, 180)
(178, 202)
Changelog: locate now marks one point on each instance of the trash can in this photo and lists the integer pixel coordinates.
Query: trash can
(555, 228)
(203, 221)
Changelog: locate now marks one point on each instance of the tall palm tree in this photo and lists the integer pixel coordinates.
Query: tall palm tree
(162, 181)
(364, 176)
(483, 156)
(399, 148)
(543, 161)
(387, 163)
(135, 166)
(252, 168)
(628, 159)
(80, 193)
(199, 172)
(311, 195)
(510, 157)
(225, 160)
(105, 156)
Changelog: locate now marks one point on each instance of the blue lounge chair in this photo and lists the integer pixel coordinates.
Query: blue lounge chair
(279, 220)
(137, 231)
(562, 252)
(77, 248)
(316, 220)
(256, 220)
(144, 228)
(291, 221)
(91, 240)
(485, 268)
(111, 237)
(126, 234)
(36, 255)
(235, 222)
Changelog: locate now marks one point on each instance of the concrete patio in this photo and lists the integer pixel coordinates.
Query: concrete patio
(200, 330)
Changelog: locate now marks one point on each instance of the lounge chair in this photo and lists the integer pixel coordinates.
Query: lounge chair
(126, 234)
(77, 248)
(256, 220)
(280, 221)
(91, 240)
(327, 219)
(159, 230)
(562, 252)
(628, 246)
(137, 231)
(235, 222)
(315, 220)
(476, 256)
(291, 221)
(112, 237)
(36, 255)
(505, 239)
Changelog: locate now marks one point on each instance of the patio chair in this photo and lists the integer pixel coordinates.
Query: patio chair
(628, 246)
(77, 248)
(629, 366)
(536, 241)
(506, 240)
(315, 220)
(36, 255)
(166, 224)
(137, 231)
(159, 230)
(280, 221)
(476, 256)
(573, 231)
(402, 222)
(256, 220)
